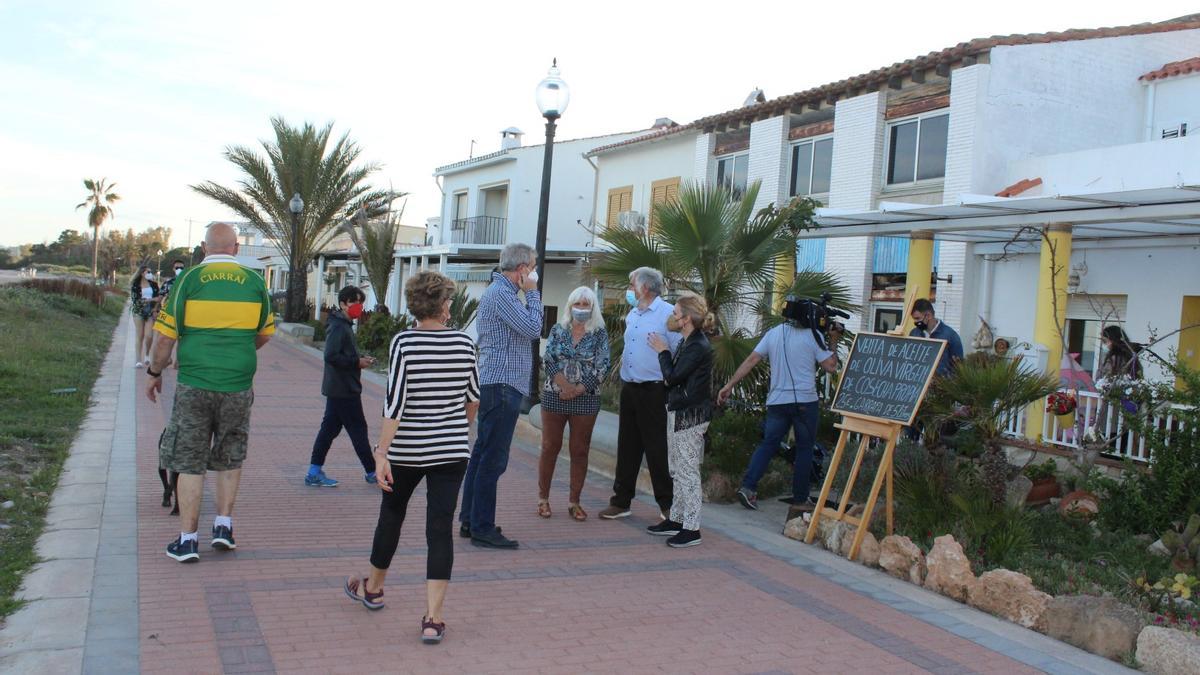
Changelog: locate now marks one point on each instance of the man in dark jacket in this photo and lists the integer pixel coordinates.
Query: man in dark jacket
(342, 388)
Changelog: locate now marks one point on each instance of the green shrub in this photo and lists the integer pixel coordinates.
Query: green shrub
(732, 437)
(318, 330)
(1036, 472)
(376, 330)
(1148, 500)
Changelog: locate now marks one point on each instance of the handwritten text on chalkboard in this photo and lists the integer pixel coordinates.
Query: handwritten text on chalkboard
(885, 376)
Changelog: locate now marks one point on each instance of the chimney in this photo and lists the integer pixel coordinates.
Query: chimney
(664, 123)
(757, 96)
(510, 138)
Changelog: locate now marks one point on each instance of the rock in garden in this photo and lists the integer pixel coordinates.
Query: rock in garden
(8, 505)
(1079, 504)
(1102, 626)
(1018, 491)
(832, 537)
(949, 571)
(796, 529)
(1009, 595)
(901, 558)
(1159, 548)
(1166, 651)
(719, 488)
(868, 550)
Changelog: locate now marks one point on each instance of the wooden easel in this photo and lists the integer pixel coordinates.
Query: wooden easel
(867, 428)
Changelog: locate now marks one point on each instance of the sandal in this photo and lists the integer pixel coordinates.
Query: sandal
(356, 590)
(439, 630)
(544, 508)
(576, 511)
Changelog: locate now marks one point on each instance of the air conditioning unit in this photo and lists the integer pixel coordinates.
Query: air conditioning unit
(631, 220)
(1174, 131)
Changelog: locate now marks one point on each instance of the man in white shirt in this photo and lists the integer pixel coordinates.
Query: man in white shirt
(643, 407)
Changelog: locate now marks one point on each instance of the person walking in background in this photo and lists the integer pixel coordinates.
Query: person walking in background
(143, 293)
(342, 388)
(170, 479)
(643, 409)
(927, 325)
(576, 362)
(687, 375)
(220, 314)
(506, 327)
(432, 399)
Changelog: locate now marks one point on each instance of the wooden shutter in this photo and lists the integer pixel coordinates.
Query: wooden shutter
(619, 199)
(661, 191)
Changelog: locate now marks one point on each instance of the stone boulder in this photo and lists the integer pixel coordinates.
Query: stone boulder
(796, 529)
(1102, 626)
(949, 571)
(1009, 595)
(719, 488)
(1017, 491)
(868, 551)
(1166, 651)
(901, 558)
(833, 534)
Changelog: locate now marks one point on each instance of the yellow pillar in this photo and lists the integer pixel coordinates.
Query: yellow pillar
(785, 276)
(920, 271)
(1049, 321)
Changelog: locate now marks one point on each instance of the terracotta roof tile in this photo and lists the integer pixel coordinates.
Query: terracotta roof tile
(1172, 69)
(947, 56)
(1019, 187)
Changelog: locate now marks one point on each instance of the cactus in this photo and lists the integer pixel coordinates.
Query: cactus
(1184, 545)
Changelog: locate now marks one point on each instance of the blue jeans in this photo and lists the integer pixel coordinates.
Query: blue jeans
(499, 408)
(802, 418)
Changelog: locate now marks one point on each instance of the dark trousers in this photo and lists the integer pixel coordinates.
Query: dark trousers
(344, 413)
(642, 431)
(442, 482)
(802, 418)
(499, 409)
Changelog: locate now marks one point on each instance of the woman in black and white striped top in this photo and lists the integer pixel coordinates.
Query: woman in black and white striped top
(432, 398)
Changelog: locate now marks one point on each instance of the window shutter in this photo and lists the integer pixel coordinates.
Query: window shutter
(662, 191)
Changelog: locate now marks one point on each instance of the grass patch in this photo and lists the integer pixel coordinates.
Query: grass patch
(48, 341)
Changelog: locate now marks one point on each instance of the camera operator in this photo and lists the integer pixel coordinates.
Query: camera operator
(794, 350)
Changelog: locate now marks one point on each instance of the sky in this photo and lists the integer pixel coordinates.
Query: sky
(148, 94)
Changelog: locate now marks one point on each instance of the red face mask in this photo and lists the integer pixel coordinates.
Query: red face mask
(355, 310)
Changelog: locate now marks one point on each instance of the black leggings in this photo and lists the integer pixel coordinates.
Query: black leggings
(442, 483)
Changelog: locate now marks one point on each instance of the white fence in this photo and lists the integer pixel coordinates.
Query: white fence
(1109, 420)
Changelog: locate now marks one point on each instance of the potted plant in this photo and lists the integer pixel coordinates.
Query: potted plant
(1045, 482)
(1061, 403)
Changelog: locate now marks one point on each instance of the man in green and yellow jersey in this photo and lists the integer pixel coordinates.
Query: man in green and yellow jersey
(219, 313)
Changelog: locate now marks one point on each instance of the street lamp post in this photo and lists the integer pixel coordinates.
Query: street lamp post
(159, 272)
(552, 98)
(296, 206)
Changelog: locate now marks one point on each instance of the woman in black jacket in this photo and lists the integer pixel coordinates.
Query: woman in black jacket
(688, 376)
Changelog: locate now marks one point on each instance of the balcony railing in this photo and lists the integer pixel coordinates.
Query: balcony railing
(478, 230)
(1124, 442)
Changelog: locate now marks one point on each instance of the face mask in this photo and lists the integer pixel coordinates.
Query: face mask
(354, 310)
(921, 325)
(581, 315)
(631, 297)
(673, 324)
(533, 276)
(149, 276)
(178, 271)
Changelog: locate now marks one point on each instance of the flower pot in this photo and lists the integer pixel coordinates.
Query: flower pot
(1044, 489)
(1079, 504)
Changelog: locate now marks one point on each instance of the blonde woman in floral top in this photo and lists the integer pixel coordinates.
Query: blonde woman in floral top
(576, 362)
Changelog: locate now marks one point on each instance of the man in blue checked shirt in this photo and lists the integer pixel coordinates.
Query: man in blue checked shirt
(506, 327)
(642, 424)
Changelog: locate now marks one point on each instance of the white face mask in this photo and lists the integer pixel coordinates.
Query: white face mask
(149, 276)
(532, 276)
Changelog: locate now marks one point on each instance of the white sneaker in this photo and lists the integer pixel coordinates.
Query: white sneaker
(139, 364)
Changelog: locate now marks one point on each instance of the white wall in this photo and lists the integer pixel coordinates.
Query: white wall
(640, 165)
(1135, 166)
(1175, 100)
(1154, 279)
(1066, 96)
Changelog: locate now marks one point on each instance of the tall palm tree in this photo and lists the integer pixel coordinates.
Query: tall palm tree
(306, 161)
(376, 243)
(100, 198)
(711, 242)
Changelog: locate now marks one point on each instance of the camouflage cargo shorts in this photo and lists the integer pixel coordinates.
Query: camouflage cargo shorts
(208, 431)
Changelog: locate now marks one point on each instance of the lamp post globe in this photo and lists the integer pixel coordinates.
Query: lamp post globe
(297, 204)
(295, 269)
(552, 96)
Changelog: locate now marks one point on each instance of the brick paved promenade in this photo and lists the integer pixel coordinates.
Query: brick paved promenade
(597, 596)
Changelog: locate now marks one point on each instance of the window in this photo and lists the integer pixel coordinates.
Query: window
(732, 172)
(619, 200)
(460, 210)
(812, 166)
(662, 191)
(887, 318)
(917, 149)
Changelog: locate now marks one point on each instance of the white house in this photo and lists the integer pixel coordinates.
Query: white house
(930, 166)
(491, 200)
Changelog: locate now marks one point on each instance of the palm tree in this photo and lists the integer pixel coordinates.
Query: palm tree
(305, 161)
(101, 198)
(980, 392)
(376, 243)
(709, 241)
(463, 309)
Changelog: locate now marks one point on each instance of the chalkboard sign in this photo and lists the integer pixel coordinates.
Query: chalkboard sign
(885, 376)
